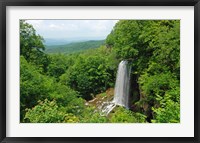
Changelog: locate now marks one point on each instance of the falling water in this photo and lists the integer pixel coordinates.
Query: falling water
(122, 85)
(122, 89)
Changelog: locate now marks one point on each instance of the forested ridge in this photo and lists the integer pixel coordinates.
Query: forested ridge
(65, 88)
(74, 47)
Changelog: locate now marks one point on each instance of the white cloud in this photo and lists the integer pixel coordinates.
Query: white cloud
(36, 23)
(53, 26)
(73, 28)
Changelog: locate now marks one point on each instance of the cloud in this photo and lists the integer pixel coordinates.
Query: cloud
(54, 26)
(73, 28)
(36, 23)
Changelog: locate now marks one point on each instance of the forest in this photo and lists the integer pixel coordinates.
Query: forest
(73, 47)
(69, 87)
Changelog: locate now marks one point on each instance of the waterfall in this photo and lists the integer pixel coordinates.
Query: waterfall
(122, 85)
(122, 89)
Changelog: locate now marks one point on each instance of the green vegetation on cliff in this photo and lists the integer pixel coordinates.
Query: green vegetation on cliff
(66, 85)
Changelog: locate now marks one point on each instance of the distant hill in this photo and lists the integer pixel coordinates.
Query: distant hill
(49, 42)
(74, 47)
(64, 41)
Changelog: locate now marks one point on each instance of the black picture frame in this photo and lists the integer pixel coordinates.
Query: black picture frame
(5, 3)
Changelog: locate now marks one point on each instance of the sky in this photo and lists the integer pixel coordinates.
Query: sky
(69, 29)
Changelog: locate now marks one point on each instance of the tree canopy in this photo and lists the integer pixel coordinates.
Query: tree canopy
(67, 88)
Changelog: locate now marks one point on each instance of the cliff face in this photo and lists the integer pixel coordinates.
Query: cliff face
(102, 97)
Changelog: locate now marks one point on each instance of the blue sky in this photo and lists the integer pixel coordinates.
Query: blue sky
(68, 29)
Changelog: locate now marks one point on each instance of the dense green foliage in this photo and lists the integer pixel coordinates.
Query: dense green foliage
(57, 88)
(92, 73)
(153, 48)
(74, 47)
(31, 46)
(122, 115)
(59, 64)
(48, 112)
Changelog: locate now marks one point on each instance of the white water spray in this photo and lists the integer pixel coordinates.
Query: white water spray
(122, 89)
(122, 85)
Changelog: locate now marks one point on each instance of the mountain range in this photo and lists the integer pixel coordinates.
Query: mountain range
(68, 48)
